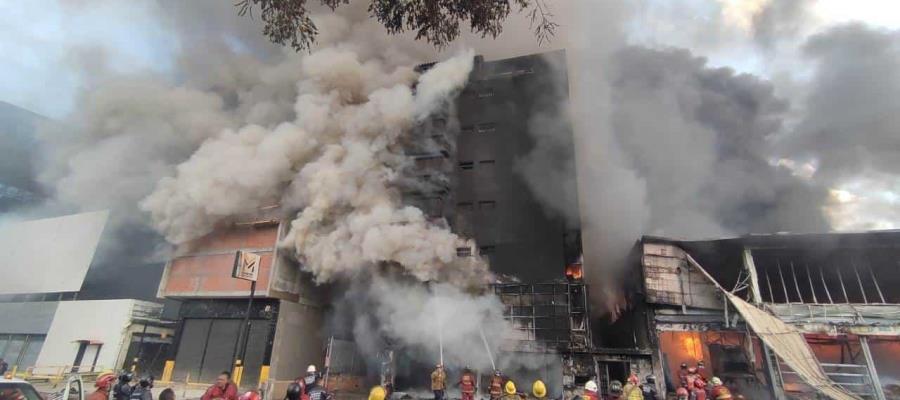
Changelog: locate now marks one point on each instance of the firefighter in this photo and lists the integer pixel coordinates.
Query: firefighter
(538, 389)
(438, 382)
(467, 385)
(378, 393)
(683, 374)
(143, 391)
(615, 391)
(496, 385)
(649, 388)
(294, 391)
(103, 384)
(317, 391)
(122, 390)
(509, 391)
(632, 389)
(307, 382)
(719, 391)
(699, 392)
(682, 393)
(701, 369)
(222, 389)
(590, 391)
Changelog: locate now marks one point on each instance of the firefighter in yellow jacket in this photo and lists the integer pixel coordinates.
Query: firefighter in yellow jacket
(632, 389)
(439, 382)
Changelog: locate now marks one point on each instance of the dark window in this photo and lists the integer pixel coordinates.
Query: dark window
(465, 206)
(486, 93)
(486, 128)
(487, 250)
(467, 129)
(466, 165)
(463, 251)
(486, 162)
(487, 205)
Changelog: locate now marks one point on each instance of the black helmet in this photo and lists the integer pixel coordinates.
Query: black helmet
(650, 379)
(146, 381)
(293, 391)
(615, 387)
(126, 377)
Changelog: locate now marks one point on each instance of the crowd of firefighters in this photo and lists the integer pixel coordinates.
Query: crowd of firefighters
(694, 384)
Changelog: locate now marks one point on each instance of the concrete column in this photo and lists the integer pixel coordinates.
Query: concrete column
(750, 267)
(870, 363)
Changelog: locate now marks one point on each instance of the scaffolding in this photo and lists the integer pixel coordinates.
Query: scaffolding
(546, 316)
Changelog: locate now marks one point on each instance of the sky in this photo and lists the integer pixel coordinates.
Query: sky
(51, 49)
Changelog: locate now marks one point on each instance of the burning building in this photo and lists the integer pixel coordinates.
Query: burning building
(466, 176)
(737, 303)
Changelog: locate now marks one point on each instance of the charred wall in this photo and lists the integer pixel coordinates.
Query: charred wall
(493, 202)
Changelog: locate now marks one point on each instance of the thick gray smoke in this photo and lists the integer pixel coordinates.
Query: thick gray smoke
(249, 125)
(667, 145)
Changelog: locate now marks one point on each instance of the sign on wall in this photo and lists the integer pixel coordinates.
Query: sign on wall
(246, 266)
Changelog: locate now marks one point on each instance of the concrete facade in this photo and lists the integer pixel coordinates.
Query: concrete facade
(100, 323)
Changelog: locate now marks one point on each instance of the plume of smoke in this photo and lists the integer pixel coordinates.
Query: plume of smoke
(397, 311)
(666, 145)
(336, 162)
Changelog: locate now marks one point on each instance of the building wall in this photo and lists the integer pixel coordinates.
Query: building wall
(49, 255)
(298, 340)
(103, 321)
(493, 202)
(204, 267)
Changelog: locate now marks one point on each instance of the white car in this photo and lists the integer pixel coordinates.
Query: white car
(20, 389)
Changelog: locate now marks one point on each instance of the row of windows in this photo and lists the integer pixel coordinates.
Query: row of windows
(467, 165)
(20, 350)
(483, 250)
(480, 128)
(468, 206)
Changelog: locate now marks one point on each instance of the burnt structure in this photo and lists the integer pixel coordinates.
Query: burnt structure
(696, 301)
(471, 157)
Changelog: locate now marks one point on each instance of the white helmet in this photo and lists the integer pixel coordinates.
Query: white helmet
(311, 369)
(591, 386)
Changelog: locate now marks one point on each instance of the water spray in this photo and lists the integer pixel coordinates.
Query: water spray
(441, 339)
(487, 348)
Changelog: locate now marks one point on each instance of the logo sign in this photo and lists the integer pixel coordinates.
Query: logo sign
(246, 266)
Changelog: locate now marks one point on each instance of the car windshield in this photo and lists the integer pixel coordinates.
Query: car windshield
(18, 391)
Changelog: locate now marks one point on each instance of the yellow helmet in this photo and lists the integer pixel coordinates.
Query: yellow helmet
(510, 387)
(377, 393)
(539, 389)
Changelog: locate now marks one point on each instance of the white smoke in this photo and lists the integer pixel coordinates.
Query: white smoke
(336, 162)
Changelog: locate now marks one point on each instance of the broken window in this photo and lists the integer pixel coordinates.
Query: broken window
(465, 206)
(486, 93)
(487, 127)
(486, 250)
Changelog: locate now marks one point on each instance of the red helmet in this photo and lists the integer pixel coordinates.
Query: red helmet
(633, 379)
(105, 381)
(700, 383)
(692, 370)
(681, 392)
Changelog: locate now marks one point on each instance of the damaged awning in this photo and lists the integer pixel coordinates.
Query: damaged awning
(786, 341)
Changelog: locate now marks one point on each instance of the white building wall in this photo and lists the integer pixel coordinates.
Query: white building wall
(104, 321)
